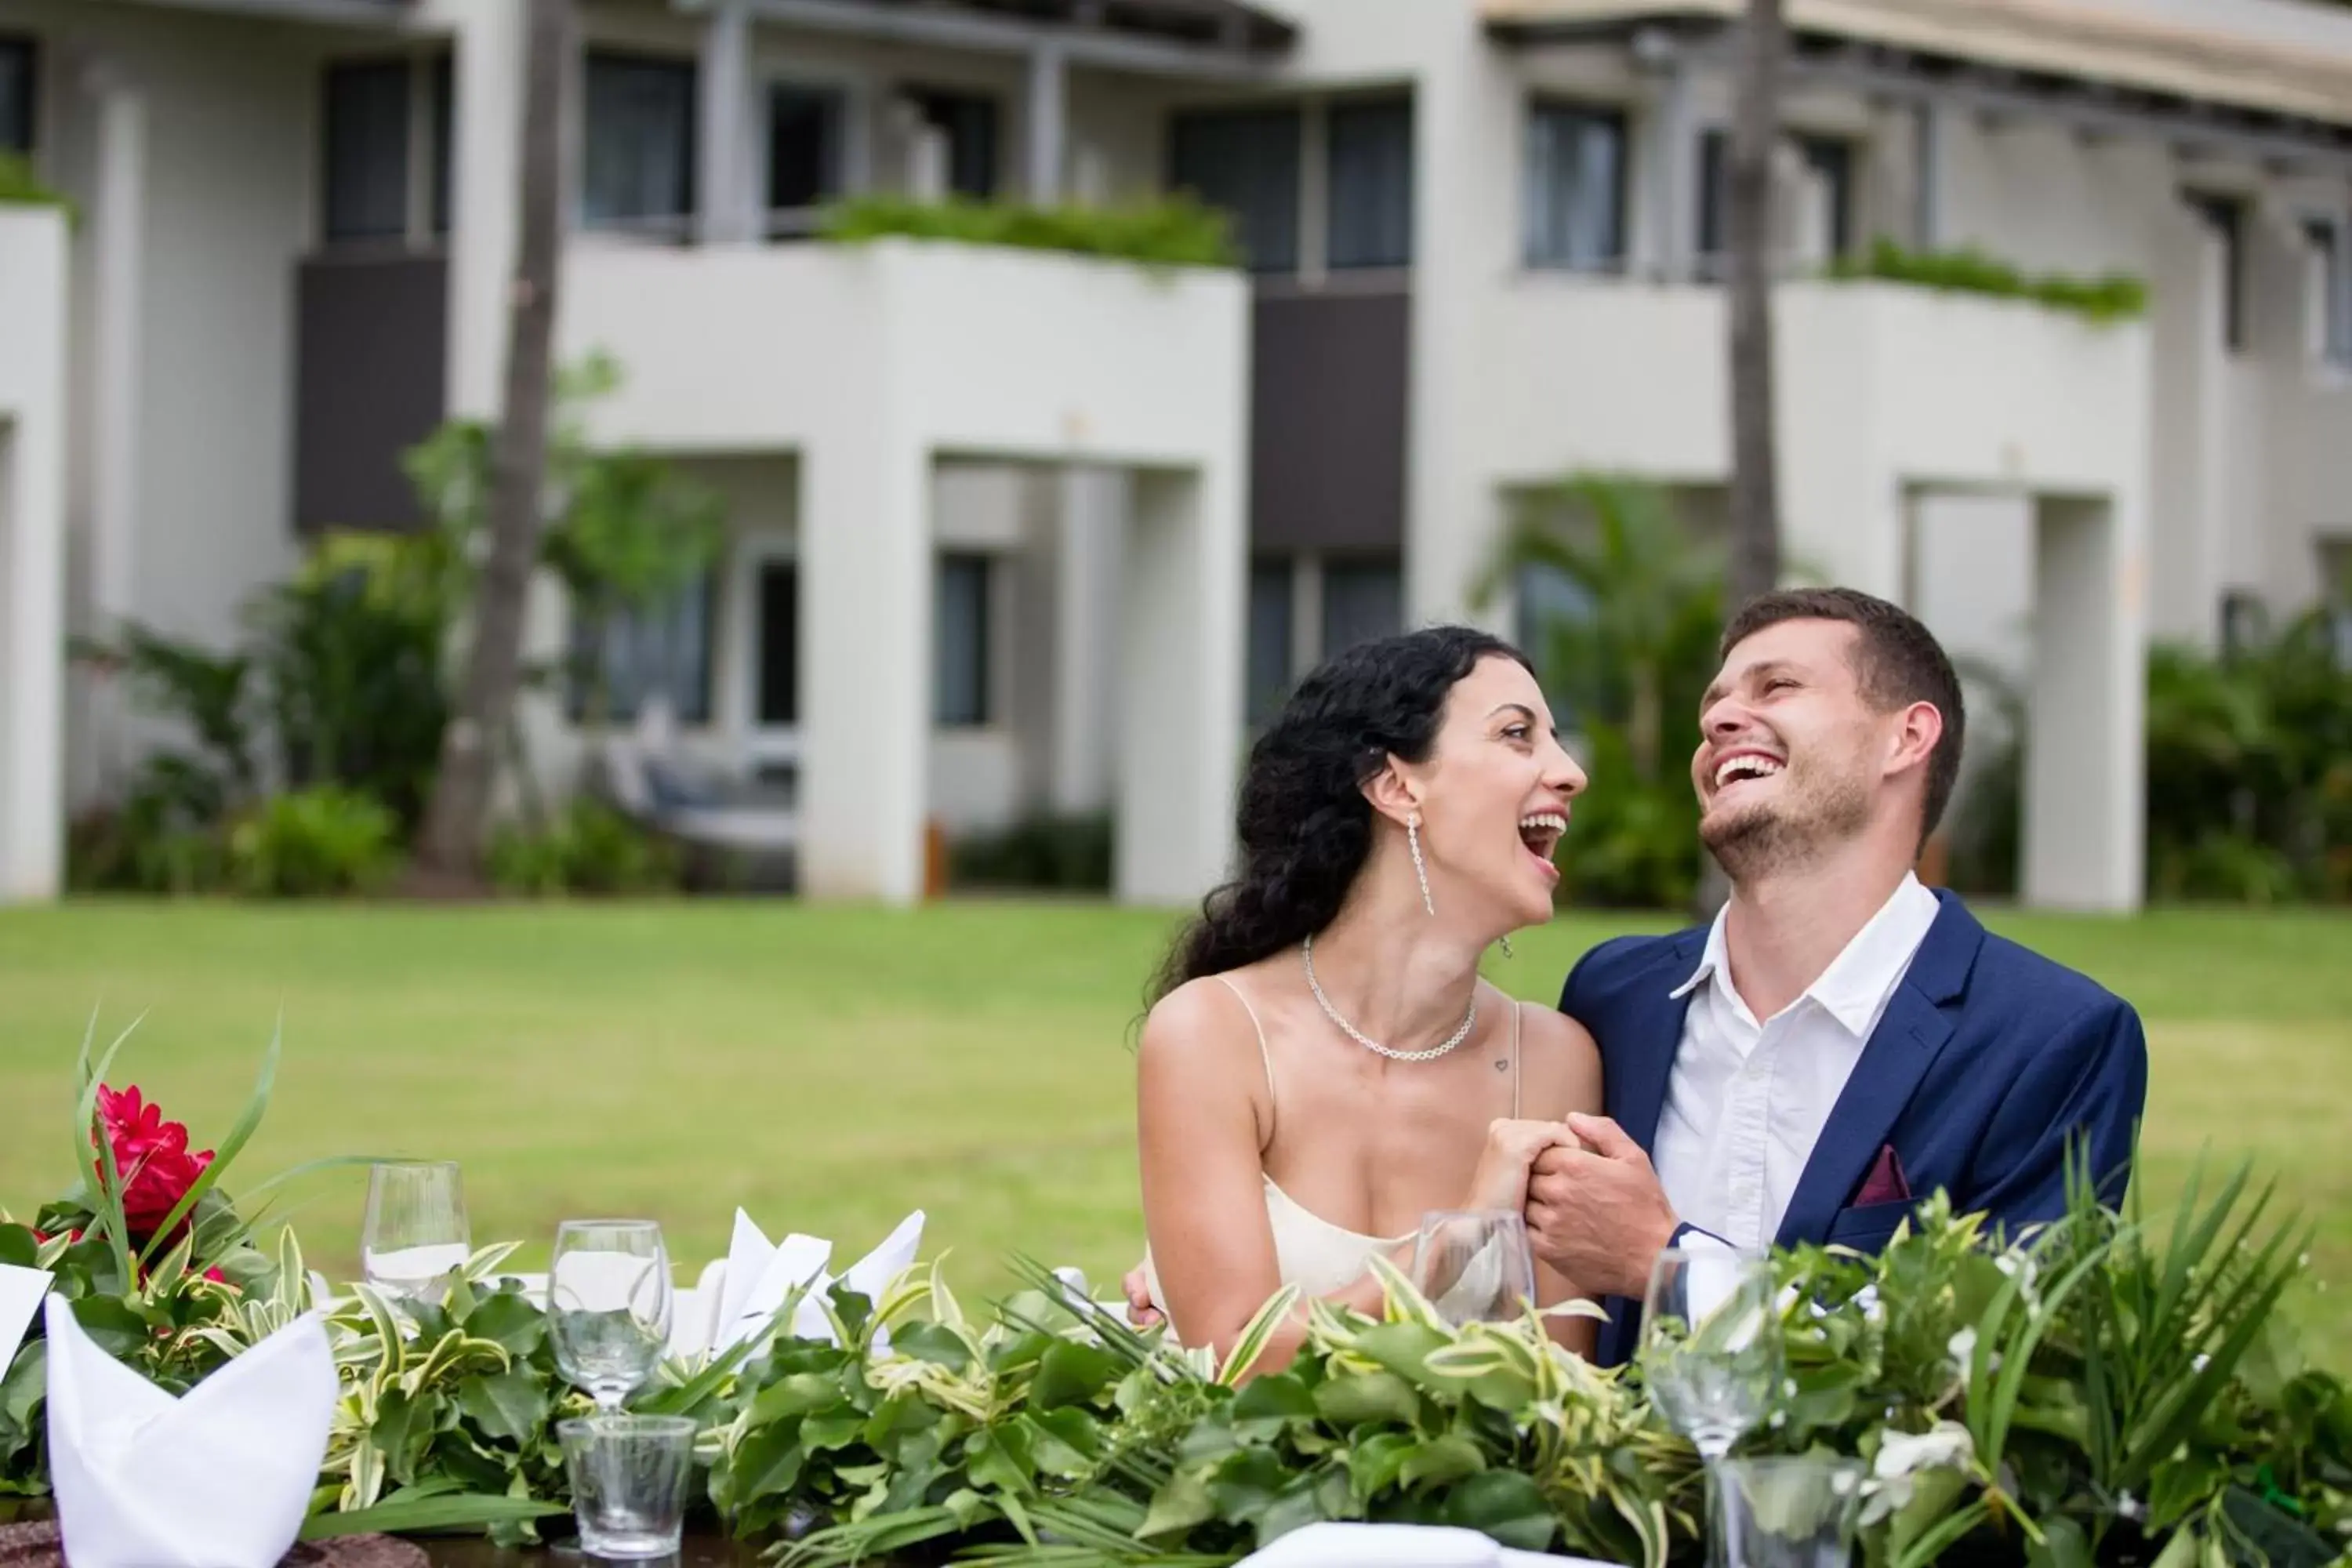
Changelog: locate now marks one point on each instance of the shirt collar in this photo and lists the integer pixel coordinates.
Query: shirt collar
(1856, 986)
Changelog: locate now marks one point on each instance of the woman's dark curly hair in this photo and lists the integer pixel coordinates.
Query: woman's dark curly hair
(1303, 825)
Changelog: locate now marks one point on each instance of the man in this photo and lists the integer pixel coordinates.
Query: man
(1841, 1040)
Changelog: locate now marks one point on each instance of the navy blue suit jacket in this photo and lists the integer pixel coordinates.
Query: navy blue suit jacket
(1988, 1063)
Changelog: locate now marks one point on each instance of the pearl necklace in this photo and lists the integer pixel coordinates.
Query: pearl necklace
(1469, 1019)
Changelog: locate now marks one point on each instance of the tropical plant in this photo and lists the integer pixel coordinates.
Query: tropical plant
(20, 186)
(586, 847)
(1629, 669)
(2110, 298)
(1168, 231)
(314, 842)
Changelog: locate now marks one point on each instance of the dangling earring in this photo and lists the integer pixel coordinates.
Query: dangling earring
(1506, 948)
(1413, 837)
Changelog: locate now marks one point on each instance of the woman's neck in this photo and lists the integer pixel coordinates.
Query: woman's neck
(1398, 974)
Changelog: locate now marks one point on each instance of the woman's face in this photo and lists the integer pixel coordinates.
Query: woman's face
(1495, 797)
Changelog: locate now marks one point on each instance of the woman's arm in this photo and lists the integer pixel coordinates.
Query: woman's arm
(1560, 1069)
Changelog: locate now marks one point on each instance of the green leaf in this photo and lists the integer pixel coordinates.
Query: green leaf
(396, 1516)
(2062, 1545)
(509, 1406)
(17, 1248)
(932, 1343)
(1402, 1348)
(1443, 1459)
(1072, 1374)
(1274, 1399)
(1375, 1463)
(1505, 1504)
(766, 1464)
(1360, 1397)
(508, 1319)
(831, 1430)
(113, 1326)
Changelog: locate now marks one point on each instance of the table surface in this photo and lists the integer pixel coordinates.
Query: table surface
(473, 1551)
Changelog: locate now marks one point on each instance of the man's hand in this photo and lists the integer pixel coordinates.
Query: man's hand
(1139, 1309)
(1597, 1214)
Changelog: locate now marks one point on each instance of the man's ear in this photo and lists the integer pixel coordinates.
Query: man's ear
(1391, 794)
(1916, 738)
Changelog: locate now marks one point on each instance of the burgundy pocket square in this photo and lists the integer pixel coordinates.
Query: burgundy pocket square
(1886, 1183)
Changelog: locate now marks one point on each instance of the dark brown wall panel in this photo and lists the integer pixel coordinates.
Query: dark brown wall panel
(1327, 420)
(371, 357)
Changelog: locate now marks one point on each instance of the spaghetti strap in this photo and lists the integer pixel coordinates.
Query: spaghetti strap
(1518, 1010)
(1264, 1055)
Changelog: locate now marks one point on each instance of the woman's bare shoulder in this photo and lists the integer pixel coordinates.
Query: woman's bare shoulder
(1201, 1018)
(1559, 1060)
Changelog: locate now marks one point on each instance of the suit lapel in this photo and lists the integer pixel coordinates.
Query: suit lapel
(1893, 1059)
(1642, 1061)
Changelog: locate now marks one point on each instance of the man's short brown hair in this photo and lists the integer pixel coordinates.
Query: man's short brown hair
(1896, 662)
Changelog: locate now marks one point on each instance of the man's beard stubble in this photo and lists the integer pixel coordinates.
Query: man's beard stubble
(1818, 811)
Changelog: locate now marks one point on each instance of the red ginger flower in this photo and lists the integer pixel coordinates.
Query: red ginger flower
(153, 1169)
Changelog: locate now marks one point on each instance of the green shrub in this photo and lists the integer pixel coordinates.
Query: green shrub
(1061, 854)
(589, 848)
(1174, 231)
(1632, 843)
(2110, 298)
(314, 842)
(20, 186)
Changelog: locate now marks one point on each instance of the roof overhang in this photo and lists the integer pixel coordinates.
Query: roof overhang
(2055, 56)
(332, 13)
(1213, 38)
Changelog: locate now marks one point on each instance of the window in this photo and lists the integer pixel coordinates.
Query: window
(1271, 620)
(638, 161)
(1547, 599)
(1575, 187)
(1361, 600)
(636, 654)
(367, 126)
(2226, 217)
(806, 155)
(1829, 186)
(779, 697)
(962, 634)
(1370, 151)
(969, 123)
(2327, 290)
(18, 118)
(444, 92)
(1246, 162)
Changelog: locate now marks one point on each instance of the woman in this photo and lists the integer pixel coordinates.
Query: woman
(1322, 1063)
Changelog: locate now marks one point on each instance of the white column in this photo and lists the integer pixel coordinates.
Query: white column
(2085, 764)
(1180, 686)
(1090, 524)
(118, 249)
(1048, 123)
(33, 318)
(867, 584)
(1673, 151)
(490, 39)
(725, 180)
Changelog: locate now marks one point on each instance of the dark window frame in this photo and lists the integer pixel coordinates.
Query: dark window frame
(1358, 109)
(983, 713)
(987, 165)
(1614, 118)
(337, 73)
(648, 62)
(785, 714)
(2225, 213)
(1290, 119)
(792, 219)
(22, 139)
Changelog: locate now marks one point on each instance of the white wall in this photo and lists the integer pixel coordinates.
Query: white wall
(32, 315)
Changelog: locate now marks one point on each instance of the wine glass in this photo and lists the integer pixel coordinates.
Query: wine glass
(608, 1302)
(1711, 1355)
(416, 1239)
(1474, 1264)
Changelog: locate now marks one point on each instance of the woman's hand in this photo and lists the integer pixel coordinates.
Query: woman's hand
(1501, 1181)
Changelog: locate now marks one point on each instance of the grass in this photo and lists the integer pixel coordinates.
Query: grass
(829, 1070)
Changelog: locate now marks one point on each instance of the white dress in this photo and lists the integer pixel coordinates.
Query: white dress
(1309, 1251)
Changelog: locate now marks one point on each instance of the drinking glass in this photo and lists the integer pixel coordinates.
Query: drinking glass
(629, 1477)
(415, 1238)
(1474, 1264)
(608, 1303)
(1711, 1358)
(1793, 1512)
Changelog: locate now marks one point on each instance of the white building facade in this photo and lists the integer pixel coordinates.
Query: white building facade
(1013, 533)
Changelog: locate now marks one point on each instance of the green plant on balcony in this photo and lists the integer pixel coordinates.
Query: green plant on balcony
(2113, 296)
(20, 186)
(1168, 231)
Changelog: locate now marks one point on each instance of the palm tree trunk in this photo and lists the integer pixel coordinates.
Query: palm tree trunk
(456, 822)
(1755, 479)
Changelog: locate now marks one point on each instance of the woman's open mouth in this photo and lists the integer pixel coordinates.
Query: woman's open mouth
(1540, 834)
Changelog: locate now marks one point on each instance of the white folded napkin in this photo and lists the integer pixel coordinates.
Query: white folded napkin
(220, 1478)
(21, 1290)
(1339, 1545)
(760, 1275)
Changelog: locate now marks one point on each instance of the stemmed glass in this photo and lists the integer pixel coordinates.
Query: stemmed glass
(1474, 1264)
(415, 1238)
(1711, 1357)
(608, 1304)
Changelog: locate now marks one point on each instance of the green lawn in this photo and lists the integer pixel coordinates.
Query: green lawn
(830, 1069)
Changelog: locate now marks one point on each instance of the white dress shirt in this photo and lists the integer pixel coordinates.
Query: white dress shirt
(1747, 1101)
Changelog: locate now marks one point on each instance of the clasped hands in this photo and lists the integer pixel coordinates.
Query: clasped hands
(1596, 1215)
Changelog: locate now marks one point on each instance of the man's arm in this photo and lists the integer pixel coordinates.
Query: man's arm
(2083, 1093)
